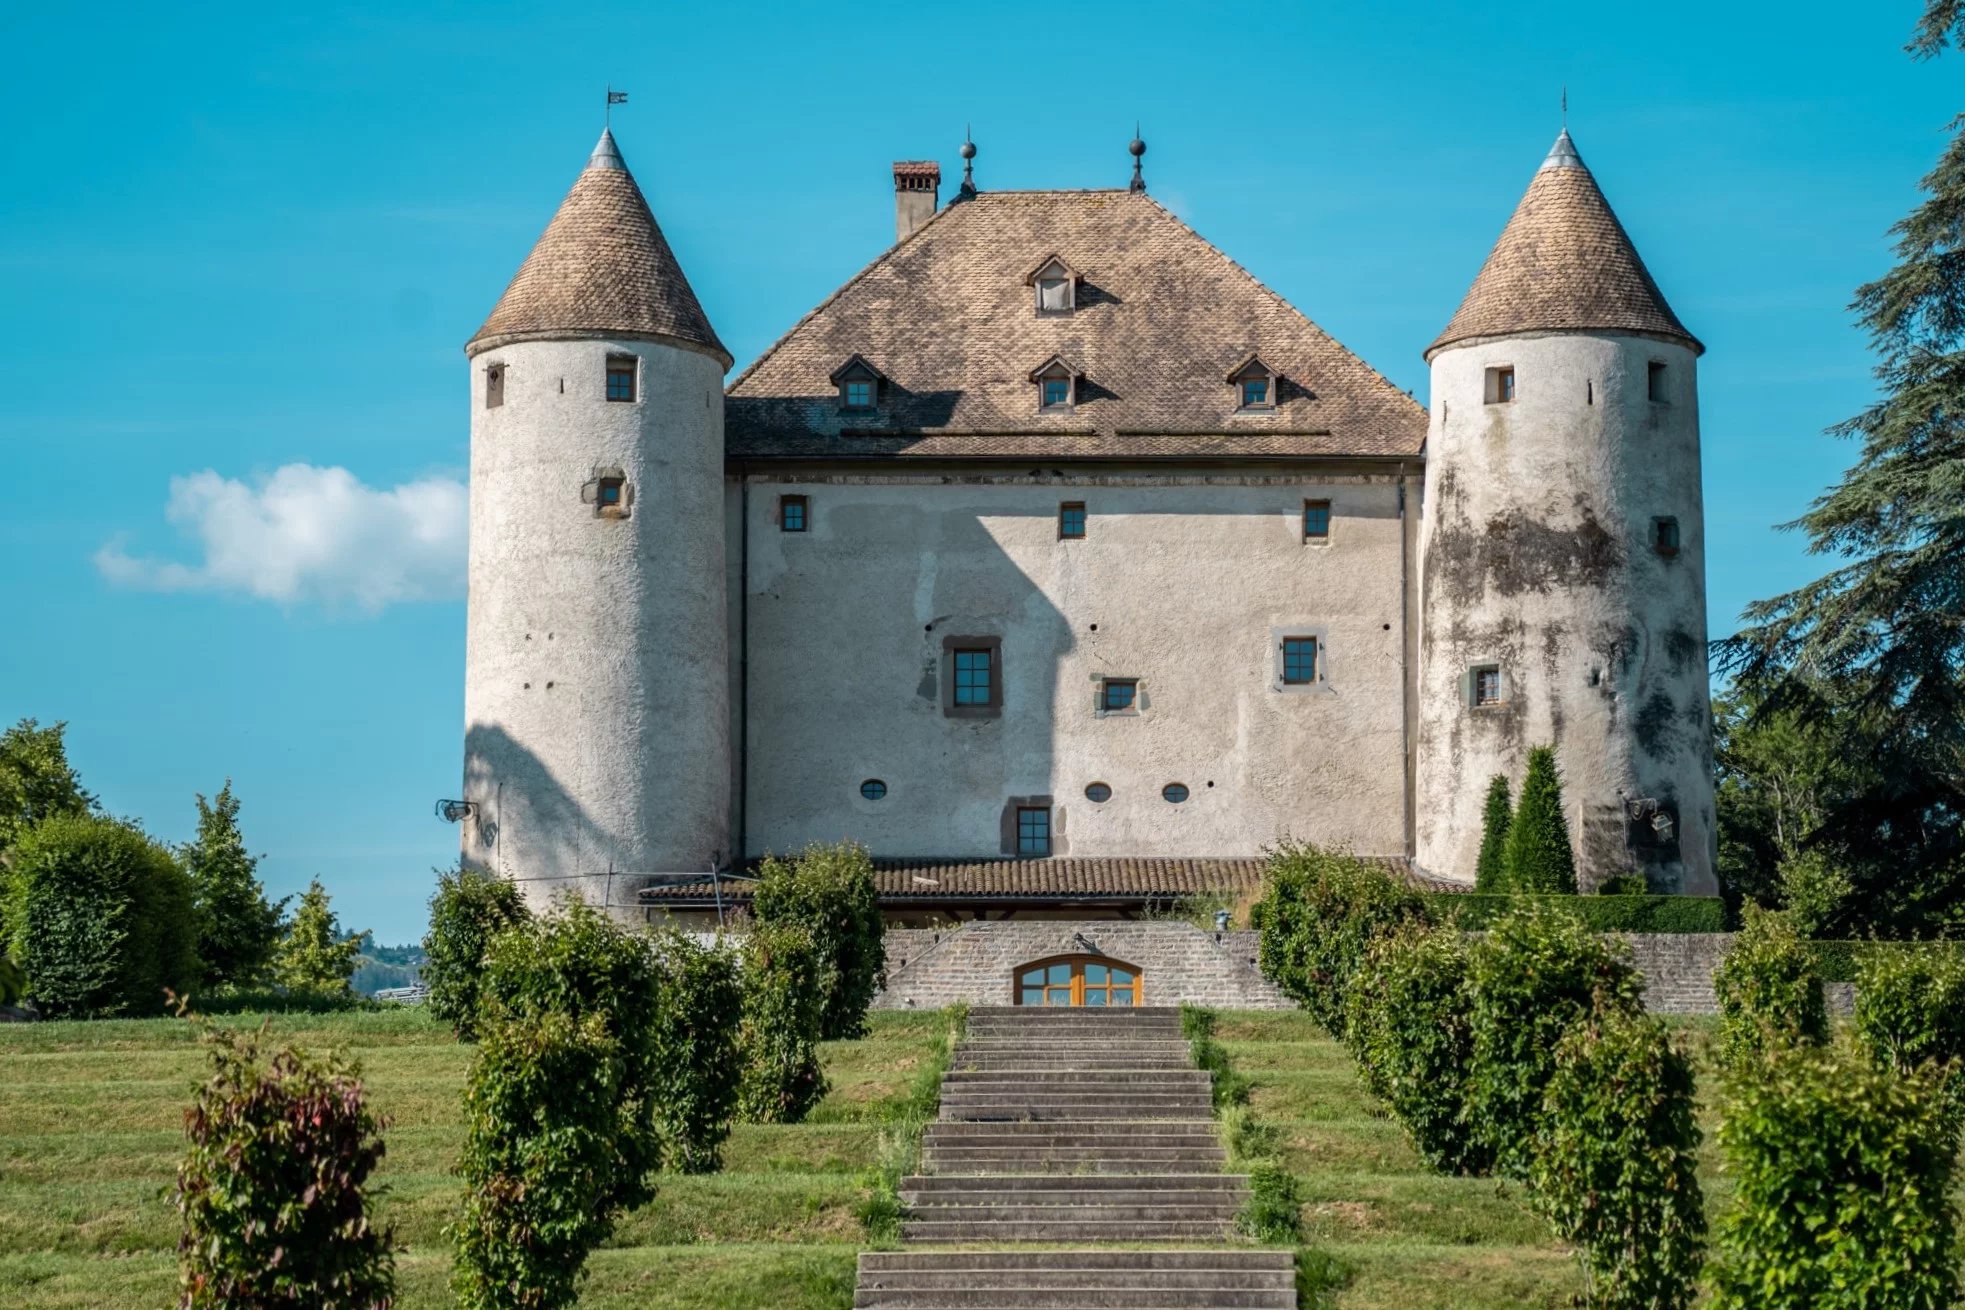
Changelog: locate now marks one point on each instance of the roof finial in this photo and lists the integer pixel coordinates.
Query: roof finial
(968, 191)
(1137, 147)
(1565, 106)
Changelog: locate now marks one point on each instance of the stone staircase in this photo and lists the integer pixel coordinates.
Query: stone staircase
(1066, 1126)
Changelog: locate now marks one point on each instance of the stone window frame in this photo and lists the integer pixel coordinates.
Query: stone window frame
(628, 366)
(993, 708)
(1470, 686)
(1007, 834)
(1316, 632)
(1131, 711)
(801, 503)
(1084, 520)
(1656, 385)
(602, 477)
(1498, 385)
(494, 384)
(1329, 508)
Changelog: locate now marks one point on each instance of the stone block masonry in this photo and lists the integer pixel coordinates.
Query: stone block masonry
(928, 968)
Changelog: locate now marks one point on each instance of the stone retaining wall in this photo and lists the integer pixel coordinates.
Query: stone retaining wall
(928, 968)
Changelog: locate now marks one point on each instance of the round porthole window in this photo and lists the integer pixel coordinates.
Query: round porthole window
(1174, 793)
(1098, 793)
(873, 789)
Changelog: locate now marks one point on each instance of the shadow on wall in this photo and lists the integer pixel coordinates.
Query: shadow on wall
(528, 827)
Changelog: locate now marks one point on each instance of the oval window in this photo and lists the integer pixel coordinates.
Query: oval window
(873, 789)
(1174, 793)
(1098, 793)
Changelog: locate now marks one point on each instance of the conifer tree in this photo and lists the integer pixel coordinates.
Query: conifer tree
(314, 958)
(1881, 627)
(237, 926)
(1539, 858)
(1491, 870)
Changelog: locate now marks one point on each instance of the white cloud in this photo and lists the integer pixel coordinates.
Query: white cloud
(309, 535)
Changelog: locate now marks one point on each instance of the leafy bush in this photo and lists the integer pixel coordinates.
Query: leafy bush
(829, 891)
(1491, 868)
(1534, 975)
(36, 780)
(1615, 1167)
(1769, 993)
(1227, 1087)
(1538, 855)
(1624, 884)
(1412, 1031)
(237, 926)
(1843, 961)
(540, 1165)
(275, 1194)
(99, 917)
(469, 908)
(1843, 1173)
(1318, 915)
(1910, 1011)
(1472, 912)
(784, 1003)
(1274, 1210)
(698, 1063)
(313, 958)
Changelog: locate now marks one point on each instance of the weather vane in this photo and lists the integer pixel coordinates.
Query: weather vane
(1565, 106)
(613, 98)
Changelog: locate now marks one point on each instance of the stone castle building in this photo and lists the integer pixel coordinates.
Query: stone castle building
(1067, 566)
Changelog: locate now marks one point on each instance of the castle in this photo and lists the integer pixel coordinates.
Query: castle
(1067, 566)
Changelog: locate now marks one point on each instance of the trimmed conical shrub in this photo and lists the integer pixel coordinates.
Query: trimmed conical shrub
(1539, 858)
(1491, 870)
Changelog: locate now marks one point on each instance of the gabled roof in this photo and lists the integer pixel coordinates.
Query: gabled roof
(602, 268)
(1253, 364)
(1563, 263)
(1053, 365)
(855, 365)
(1050, 261)
(1161, 317)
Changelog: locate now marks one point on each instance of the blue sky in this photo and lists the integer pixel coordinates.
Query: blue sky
(234, 241)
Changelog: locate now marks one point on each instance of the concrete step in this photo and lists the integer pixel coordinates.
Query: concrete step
(1048, 1189)
(1076, 1164)
(1078, 1227)
(1066, 1133)
(1143, 1079)
(902, 1262)
(1076, 1296)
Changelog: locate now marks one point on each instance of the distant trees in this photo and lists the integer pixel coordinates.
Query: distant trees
(237, 926)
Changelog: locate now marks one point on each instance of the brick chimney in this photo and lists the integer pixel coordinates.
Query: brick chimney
(917, 188)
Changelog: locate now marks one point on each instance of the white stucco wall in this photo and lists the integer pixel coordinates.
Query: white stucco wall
(1537, 557)
(1185, 581)
(596, 681)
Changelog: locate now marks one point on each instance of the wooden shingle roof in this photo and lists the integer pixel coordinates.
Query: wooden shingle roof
(1563, 263)
(949, 318)
(602, 268)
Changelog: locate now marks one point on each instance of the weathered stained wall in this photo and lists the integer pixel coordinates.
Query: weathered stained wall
(976, 963)
(1186, 580)
(1537, 557)
(596, 681)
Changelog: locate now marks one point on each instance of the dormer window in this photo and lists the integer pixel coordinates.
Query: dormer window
(1255, 385)
(1057, 385)
(859, 385)
(1056, 285)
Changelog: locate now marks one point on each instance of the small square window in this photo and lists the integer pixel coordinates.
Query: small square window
(1071, 520)
(1053, 295)
(1501, 385)
(1255, 393)
(1118, 695)
(1654, 383)
(1664, 536)
(608, 492)
(1056, 392)
(494, 386)
(1033, 830)
(1316, 520)
(791, 513)
(975, 677)
(621, 377)
(1486, 685)
(857, 393)
(1299, 661)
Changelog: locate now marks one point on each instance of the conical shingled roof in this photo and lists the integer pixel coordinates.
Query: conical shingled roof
(602, 268)
(1563, 263)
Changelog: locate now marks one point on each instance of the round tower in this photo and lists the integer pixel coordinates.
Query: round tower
(596, 689)
(1563, 596)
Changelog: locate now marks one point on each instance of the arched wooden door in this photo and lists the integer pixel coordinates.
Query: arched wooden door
(1091, 980)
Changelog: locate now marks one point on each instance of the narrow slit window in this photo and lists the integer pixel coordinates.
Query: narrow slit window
(1071, 520)
(1501, 385)
(1316, 520)
(1033, 830)
(621, 377)
(1654, 382)
(975, 677)
(494, 386)
(1118, 695)
(1299, 661)
(792, 513)
(1664, 536)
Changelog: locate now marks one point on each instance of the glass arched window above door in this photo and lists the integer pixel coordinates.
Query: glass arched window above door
(1090, 980)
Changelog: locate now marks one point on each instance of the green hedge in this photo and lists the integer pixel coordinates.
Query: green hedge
(1473, 912)
(1839, 961)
